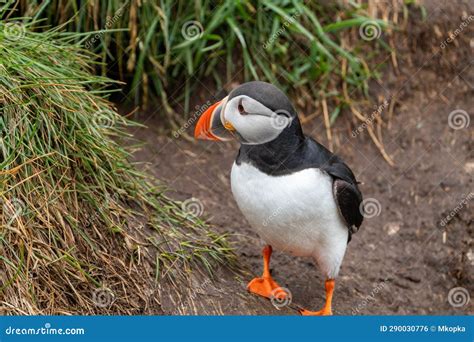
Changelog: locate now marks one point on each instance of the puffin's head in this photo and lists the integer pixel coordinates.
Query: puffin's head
(255, 113)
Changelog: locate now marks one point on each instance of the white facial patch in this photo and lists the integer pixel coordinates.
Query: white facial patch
(254, 122)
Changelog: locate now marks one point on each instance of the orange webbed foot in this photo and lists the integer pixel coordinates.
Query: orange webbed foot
(266, 287)
(326, 310)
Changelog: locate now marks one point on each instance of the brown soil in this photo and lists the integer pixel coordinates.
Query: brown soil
(402, 261)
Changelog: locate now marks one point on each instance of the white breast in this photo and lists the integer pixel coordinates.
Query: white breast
(295, 213)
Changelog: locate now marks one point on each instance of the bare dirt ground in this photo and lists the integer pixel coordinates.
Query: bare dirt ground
(403, 261)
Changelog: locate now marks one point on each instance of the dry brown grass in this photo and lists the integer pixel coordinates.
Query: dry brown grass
(82, 231)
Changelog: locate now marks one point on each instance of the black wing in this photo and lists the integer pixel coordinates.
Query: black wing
(345, 189)
(348, 198)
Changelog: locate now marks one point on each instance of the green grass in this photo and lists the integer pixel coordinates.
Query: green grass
(294, 44)
(75, 213)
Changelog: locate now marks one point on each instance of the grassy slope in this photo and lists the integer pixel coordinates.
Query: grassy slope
(76, 215)
(165, 48)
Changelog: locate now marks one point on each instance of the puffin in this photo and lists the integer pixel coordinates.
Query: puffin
(299, 197)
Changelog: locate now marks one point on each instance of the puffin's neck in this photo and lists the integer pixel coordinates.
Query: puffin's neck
(279, 155)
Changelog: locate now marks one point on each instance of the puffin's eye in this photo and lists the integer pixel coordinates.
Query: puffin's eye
(241, 108)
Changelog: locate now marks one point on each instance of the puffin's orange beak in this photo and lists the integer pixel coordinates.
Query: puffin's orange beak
(210, 126)
(204, 124)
